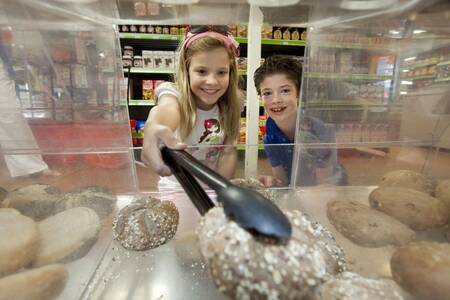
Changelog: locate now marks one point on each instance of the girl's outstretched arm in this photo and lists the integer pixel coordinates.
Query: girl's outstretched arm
(161, 124)
(227, 161)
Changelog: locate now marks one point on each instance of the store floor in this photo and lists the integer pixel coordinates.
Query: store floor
(363, 168)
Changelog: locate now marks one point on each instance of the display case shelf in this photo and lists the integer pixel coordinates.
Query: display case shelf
(347, 76)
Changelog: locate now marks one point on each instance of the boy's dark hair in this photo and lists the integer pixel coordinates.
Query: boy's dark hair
(279, 64)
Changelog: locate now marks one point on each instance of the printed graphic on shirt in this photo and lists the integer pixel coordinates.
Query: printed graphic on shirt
(212, 135)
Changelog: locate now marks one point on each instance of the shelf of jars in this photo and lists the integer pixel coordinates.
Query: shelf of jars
(347, 76)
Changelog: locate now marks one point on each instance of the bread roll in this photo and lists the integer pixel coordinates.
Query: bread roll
(351, 286)
(44, 283)
(19, 241)
(99, 199)
(36, 201)
(423, 269)
(145, 224)
(365, 226)
(3, 194)
(246, 267)
(67, 235)
(443, 191)
(413, 208)
(409, 179)
(254, 184)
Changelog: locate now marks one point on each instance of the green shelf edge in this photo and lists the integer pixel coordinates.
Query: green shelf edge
(348, 76)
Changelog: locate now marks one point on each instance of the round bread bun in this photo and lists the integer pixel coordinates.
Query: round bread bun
(19, 241)
(365, 226)
(36, 201)
(423, 269)
(352, 286)
(3, 194)
(416, 209)
(442, 191)
(254, 184)
(146, 223)
(44, 283)
(67, 235)
(99, 199)
(246, 267)
(409, 179)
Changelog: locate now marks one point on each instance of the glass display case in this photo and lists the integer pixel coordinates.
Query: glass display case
(375, 76)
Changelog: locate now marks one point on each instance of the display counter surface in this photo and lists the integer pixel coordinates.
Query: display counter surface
(176, 271)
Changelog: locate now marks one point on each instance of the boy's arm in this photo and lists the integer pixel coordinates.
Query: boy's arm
(162, 121)
(227, 161)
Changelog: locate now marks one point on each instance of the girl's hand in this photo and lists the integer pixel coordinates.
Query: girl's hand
(157, 136)
(269, 181)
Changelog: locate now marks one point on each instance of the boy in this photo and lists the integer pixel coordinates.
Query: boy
(277, 82)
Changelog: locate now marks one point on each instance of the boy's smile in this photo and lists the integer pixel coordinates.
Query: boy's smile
(280, 98)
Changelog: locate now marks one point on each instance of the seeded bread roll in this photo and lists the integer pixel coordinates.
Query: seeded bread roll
(246, 267)
(99, 199)
(351, 286)
(423, 269)
(254, 184)
(36, 201)
(443, 191)
(67, 235)
(416, 209)
(3, 194)
(146, 223)
(409, 179)
(44, 283)
(19, 241)
(365, 226)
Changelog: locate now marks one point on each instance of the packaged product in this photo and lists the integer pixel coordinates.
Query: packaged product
(147, 59)
(147, 90)
(137, 61)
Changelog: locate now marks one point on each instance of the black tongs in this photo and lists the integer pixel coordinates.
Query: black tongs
(246, 207)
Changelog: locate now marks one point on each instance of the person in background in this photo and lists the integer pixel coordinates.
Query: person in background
(202, 107)
(15, 132)
(277, 82)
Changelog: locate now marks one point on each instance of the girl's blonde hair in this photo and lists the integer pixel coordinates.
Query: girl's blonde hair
(229, 104)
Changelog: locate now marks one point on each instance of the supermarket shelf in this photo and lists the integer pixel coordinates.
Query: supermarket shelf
(419, 77)
(443, 63)
(150, 70)
(337, 103)
(150, 36)
(442, 79)
(171, 37)
(350, 46)
(242, 147)
(348, 76)
(138, 102)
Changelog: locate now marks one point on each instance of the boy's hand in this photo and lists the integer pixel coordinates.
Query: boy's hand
(155, 137)
(269, 181)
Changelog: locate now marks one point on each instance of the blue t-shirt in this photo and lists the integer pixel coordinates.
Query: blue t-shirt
(278, 155)
(312, 130)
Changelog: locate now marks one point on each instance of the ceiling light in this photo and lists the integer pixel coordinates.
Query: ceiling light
(272, 3)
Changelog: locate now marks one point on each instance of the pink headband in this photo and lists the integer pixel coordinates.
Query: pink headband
(229, 41)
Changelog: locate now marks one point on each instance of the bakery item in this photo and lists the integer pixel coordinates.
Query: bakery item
(44, 283)
(3, 194)
(99, 199)
(254, 184)
(423, 269)
(365, 226)
(19, 240)
(416, 209)
(36, 201)
(442, 191)
(67, 235)
(243, 266)
(146, 223)
(409, 179)
(352, 286)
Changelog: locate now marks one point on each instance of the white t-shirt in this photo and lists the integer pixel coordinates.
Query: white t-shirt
(207, 130)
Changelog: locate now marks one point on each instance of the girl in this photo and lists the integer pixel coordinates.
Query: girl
(204, 100)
